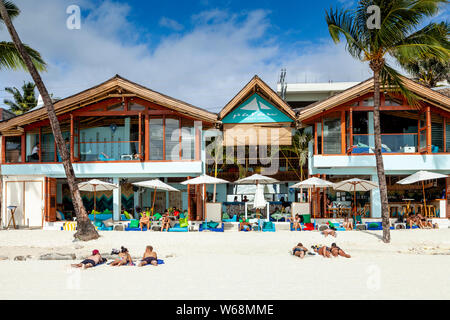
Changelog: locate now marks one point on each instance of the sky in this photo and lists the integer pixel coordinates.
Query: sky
(202, 52)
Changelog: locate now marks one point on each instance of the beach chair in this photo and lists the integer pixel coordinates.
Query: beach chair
(266, 226)
(212, 226)
(374, 226)
(181, 226)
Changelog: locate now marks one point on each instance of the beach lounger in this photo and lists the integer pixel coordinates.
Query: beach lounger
(267, 226)
(177, 228)
(374, 226)
(205, 227)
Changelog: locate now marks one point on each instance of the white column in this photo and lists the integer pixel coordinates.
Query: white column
(375, 199)
(117, 200)
(137, 197)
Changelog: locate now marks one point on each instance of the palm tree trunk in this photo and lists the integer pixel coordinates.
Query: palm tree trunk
(379, 156)
(86, 230)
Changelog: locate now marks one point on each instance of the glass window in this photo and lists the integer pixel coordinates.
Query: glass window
(156, 139)
(187, 140)
(116, 107)
(13, 149)
(332, 135)
(172, 139)
(447, 135)
(368, 102)
(319, 138)
(48, 147)
(392, 102)
(32, 147)
(360, 123)
(135, 107)
(437, 135)
(423, 139)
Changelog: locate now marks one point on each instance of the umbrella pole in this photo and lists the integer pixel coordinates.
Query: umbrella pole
(424, 201)
(153, 204)
(95, 200)
(204, 201)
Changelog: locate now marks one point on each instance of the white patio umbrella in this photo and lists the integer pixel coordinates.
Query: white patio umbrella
(204, 179)
(353, 185)
(259, 194)
(313, 183)
(155, 184)
(95, 185)
(422, 176)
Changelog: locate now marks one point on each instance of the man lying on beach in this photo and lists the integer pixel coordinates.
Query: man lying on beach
(149, 257)
(299, 251)
(322, 250)
(124, 258)
(336, 251)
(328, 232)
(90, 262)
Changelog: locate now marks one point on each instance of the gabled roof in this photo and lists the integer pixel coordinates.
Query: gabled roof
(426, 94)
(113, 86)
(254, 86)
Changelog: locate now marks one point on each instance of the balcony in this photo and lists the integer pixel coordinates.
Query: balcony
(391, 143)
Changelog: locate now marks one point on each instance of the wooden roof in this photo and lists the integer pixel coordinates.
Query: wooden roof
(112, 87)
(426, 94)
(258, 86)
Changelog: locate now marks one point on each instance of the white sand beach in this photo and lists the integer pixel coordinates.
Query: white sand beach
(230, 265)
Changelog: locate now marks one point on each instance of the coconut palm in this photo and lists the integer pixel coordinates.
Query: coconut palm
(9, 56)
(299, 147)
(86, 230)
(429, 71)
(22, 102)
(398, 37)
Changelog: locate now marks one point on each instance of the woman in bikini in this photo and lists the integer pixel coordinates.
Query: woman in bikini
(336, 251)
(124, 258)
(322, 250)
(165, 222)
(149, 257)
(299, 251)
(296, 221)
(348, 224)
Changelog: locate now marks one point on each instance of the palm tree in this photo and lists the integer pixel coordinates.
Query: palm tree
(429, 71)
(86, 230)
(9, 55)
(22, 102)
(399, 37)
(299, 147)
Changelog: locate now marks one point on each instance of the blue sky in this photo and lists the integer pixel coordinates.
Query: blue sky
(202, 52)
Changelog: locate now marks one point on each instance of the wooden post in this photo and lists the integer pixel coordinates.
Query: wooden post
(428, 118)
(343, 140)
(147, 138)
(23, 148)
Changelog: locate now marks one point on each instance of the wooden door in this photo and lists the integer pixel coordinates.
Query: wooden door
(50, 199)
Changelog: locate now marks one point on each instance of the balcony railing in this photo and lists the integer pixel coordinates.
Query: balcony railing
(391, 143)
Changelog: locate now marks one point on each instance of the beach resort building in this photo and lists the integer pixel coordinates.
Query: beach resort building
(122, 132)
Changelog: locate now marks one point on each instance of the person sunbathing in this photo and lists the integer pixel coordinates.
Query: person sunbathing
(297, 222)
(299, 250)
(149, 257)
(336, 251)
(165, 222)
(347, 224)
(144, 220)
(124, 258)
(322, 250)
(90, 261)
(329, 231)
(245, 226)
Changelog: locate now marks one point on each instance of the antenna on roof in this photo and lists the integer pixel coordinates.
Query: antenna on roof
(283, 84)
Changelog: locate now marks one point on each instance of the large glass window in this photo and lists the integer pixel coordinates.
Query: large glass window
(13, 149)
(447, 135)
(437, 134)
(172, 139)
(319, 137)
(332, 135)
(187, 140)
(156, 139)
(48, 147)
(32, 147)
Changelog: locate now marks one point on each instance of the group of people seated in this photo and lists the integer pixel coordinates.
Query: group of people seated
(420, 221)
(146, 219)
(124, 258)
(327, 252)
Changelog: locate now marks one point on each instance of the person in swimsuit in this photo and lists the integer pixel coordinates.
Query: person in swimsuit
(423, 222)
(149, 257)
(299, 251)
(322, 250)
(124, 258)
(347, 224)
(336, 251)
(411, 221)
(165, 222)
(243, 224)
(296, 222)
(328, 232)
(91, 261)
(144, 220)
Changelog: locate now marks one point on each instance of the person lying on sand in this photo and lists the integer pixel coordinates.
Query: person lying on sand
(322, 250)
(328, 232)
(149, 257)
(165, 222)
(336, 251)
(299, 250)
(124, 258)
(90, 262)
(144, 220)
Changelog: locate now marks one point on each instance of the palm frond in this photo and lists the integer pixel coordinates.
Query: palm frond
(11, 59)
(11, 8)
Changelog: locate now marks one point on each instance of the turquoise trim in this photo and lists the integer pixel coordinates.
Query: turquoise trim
(256, 110)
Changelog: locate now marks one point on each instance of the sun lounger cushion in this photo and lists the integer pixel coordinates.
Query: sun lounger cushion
(306, 218)
(98, 224)
(212, 224)
(177, 228)
(127, 215)
(157, 216)
(134, 224)
(184, 223)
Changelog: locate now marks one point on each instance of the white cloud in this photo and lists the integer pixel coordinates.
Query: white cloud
(205, 66)
(171, 24)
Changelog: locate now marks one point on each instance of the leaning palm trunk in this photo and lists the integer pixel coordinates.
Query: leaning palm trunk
(86, 230)
(379, 155)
